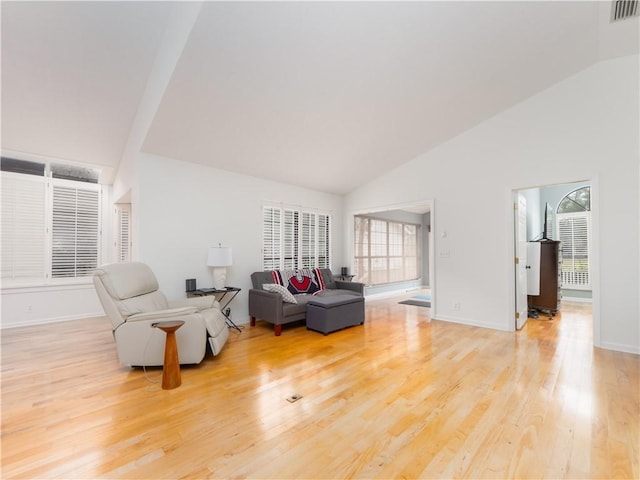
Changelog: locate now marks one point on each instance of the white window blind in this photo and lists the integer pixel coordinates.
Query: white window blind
(323, 241)
(290, 240)
(294, 238)
(123, 215)
(75, 230)
(574, 232)
(308, 240)
(385, 251)
(271, 238)
(50, 222)
(23, 228)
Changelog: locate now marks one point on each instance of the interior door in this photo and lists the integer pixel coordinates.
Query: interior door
(521, 313)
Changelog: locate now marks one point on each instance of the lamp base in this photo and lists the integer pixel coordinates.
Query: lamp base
(219, 278)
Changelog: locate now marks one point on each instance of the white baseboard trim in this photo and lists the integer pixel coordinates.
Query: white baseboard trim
(577, 299)
(392, 293)
(44, 321)
(619, 347)
(468, 322)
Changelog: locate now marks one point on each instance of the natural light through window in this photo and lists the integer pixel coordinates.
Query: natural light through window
(573, 224)
(385, 251)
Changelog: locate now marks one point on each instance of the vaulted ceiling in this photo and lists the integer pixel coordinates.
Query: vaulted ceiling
(325, 95)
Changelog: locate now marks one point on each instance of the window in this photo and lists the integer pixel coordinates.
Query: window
(294, 238)
(123, 229)
(385, 251)
(50, 222)
(23, 227)
(74, 231)
(574, 232)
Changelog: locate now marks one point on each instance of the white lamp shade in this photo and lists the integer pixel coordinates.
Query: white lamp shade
(219, 257)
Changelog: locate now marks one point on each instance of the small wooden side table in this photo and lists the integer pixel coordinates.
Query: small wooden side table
(171, 368)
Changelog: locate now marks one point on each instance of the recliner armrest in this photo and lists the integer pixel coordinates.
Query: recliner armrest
(172, 313)
(200, 303)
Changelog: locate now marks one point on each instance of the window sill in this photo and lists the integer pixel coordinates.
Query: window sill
(70, 284)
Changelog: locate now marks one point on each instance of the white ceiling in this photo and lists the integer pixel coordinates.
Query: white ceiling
(325, 95)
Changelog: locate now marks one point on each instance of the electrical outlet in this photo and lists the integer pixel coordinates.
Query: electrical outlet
(457, 306)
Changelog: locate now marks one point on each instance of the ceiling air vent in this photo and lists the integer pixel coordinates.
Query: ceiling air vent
(622, 9)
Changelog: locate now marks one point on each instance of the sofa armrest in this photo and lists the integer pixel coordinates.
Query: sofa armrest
(265, 305)
(353, 286)
(172, 313)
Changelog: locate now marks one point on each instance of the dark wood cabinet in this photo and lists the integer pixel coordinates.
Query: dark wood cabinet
(550, 281)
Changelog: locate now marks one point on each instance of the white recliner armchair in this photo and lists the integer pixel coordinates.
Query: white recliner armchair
(131, 300)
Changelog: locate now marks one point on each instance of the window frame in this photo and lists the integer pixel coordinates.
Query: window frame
(374, 254)
(567, 272)
(580, 222)
(46, 276)
(295, 237)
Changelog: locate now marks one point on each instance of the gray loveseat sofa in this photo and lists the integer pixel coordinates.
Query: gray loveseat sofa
(271, 307)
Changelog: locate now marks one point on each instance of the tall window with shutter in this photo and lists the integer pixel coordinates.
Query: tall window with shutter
(75, 230)
(573, 224)
(24, 229)
(295, 238)
(50, 222)
(123, 229)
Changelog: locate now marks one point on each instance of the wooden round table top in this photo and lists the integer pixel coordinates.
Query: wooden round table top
(169, 325)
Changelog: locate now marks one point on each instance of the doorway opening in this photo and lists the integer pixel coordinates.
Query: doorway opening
(420, 214)
(547, 221)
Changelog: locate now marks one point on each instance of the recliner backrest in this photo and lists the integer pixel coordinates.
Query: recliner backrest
(128, 288)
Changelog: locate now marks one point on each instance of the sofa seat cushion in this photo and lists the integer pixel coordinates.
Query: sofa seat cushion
(300, 308)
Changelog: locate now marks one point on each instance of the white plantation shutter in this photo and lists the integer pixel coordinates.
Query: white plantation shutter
(290, 240)
(574, 233)
(308, 240)
(23, 228)
(271, 238)
(123, 214)
(75, 230)
(323, 241)
(294, 239)
(50, 222)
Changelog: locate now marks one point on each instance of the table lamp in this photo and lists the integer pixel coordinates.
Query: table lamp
(219, 258)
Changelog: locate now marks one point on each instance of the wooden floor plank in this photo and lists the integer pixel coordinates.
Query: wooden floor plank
(401, 396)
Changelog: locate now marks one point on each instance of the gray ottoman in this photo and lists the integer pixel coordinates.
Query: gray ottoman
(328, 314)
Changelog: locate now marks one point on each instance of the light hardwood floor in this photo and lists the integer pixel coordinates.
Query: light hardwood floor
(400, 397)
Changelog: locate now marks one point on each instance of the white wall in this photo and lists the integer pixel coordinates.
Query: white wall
(535, 218)
(48, 304)
(585, 127)
(184, 208)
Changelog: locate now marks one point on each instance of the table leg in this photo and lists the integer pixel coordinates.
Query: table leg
(171, 369)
